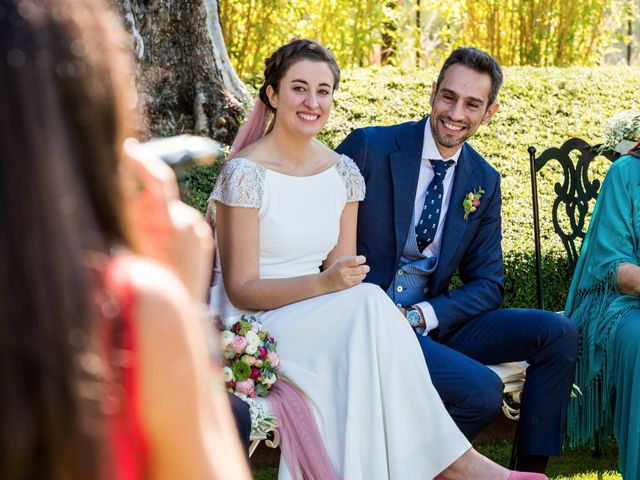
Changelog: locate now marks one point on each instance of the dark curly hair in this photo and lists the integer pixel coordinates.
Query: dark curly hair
(277, 65)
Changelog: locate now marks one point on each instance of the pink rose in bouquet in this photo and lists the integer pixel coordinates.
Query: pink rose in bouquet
(239, 344)
(273, 359)
(246, 387)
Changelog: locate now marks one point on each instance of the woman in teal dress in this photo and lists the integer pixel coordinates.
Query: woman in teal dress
(604, 301)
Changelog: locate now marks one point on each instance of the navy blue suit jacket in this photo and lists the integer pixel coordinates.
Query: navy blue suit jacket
(389, 159)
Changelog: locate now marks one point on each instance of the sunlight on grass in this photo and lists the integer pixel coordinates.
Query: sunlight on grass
(591, 476)
(577, 464)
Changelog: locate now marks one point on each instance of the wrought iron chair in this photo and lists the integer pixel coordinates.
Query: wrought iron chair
(575, 196)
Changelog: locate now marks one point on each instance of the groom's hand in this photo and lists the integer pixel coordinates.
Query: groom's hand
(346, 272)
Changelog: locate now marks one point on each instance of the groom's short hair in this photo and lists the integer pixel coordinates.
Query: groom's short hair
(480, 62)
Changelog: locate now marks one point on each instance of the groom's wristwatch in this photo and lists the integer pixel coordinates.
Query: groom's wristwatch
(413, 316)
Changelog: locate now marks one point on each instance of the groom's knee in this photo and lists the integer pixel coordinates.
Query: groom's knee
(483, 396)
(488, 395)
(481, 402)
(561, 336)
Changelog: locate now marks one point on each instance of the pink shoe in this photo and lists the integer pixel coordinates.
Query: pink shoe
(527, 476)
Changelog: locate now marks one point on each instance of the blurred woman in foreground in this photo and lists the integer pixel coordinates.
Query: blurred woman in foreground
(103, 367)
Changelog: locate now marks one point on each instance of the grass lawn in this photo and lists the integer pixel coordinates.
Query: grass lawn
(572, 465)
(576, 464)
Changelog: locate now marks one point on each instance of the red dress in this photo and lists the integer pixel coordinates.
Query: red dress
(125, 435)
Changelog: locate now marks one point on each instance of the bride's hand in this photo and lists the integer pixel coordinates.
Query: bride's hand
(346, 272)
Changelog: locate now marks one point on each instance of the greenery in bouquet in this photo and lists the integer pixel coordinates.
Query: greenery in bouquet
(622, 126)
(250, 356)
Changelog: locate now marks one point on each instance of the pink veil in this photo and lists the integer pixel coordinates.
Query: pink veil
(302, 445)
(252, 129)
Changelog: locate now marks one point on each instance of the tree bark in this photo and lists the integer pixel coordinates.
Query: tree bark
(180, 83)
(389, 32)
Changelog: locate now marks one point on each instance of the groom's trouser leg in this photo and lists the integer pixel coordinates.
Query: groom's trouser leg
(470, 391)
(242, 417)
(548, 342)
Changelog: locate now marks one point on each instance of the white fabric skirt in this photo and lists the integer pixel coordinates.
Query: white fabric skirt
(357, 359)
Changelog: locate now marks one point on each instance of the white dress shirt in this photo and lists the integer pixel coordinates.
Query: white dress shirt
(430, 152)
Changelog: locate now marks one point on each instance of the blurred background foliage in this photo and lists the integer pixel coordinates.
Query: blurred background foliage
(419, 32)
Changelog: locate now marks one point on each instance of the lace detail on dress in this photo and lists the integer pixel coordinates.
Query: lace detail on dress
(239, 184)
(353, 179)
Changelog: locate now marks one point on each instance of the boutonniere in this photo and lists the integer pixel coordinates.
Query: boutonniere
(472, 201)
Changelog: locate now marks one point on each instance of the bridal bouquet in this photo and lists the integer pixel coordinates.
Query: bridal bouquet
(250, 356)
(621, 132)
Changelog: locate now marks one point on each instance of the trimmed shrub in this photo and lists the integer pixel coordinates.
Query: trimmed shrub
(538, 106)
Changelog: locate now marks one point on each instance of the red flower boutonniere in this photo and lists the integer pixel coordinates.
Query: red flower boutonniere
(472, 201)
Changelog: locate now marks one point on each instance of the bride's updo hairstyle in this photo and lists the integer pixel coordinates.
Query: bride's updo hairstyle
(260, 120)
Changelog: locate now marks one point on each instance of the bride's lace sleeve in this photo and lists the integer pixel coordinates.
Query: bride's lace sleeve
(239, 184)
(353, 179)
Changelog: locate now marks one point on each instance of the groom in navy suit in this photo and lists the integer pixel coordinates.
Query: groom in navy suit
(433, 209)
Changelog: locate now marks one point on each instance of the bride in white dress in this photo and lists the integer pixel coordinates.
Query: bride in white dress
(285, 208)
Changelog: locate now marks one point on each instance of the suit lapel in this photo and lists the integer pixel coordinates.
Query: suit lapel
(455, 224)
(405, 168)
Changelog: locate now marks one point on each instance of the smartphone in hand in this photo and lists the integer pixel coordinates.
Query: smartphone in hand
(183, 151)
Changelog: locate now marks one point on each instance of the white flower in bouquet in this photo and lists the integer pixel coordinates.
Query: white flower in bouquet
(621, 132)
(227, 338)
(270, 380)
(251, 348)
(252, 338)
(228, 374)
(229, 322)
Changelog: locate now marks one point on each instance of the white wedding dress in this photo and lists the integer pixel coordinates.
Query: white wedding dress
(351, 352)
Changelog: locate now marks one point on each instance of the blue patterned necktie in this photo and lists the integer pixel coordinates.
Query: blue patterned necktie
(428, 223)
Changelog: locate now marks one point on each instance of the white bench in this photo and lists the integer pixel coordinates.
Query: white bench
(512, 375)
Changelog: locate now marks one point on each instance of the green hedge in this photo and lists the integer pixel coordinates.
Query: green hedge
(539, 106)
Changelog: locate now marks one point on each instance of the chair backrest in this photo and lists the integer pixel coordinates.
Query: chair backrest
(573, 196)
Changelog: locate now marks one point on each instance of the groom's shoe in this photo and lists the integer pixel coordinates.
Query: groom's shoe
(515, 476)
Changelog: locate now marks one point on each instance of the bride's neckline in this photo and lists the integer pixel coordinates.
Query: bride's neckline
(288, 175)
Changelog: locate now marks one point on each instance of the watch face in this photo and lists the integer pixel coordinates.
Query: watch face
(413, 317)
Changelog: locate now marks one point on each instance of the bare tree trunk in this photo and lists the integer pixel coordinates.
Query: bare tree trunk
(181, 87)
(220, 56)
